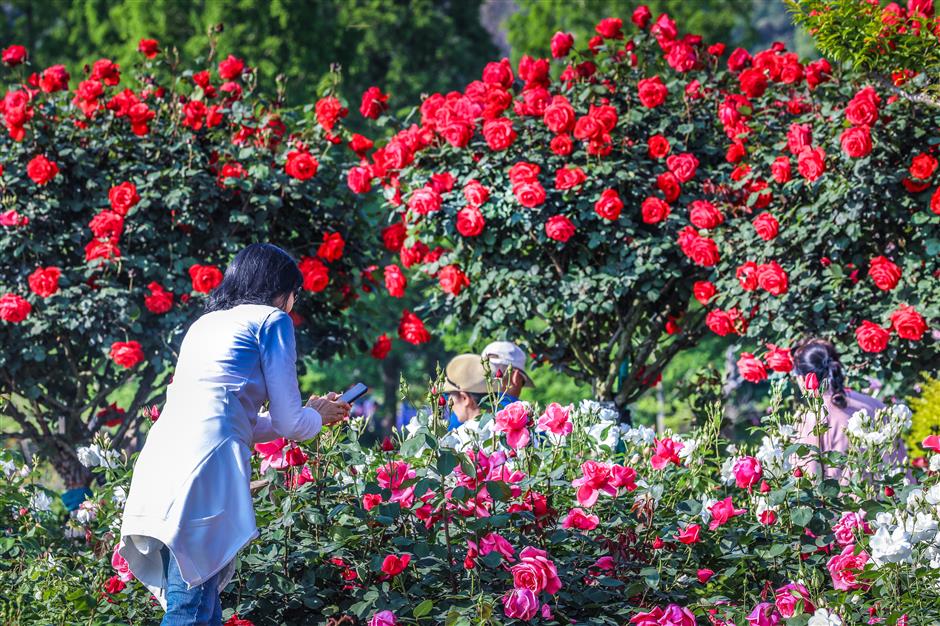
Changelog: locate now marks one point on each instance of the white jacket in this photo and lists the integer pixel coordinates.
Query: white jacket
(190, 486)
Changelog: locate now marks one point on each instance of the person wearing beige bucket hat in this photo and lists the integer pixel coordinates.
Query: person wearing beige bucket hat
(507, 363)
(465, 386)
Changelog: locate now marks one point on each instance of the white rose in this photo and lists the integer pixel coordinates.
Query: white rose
(822, 617)
(40, 501)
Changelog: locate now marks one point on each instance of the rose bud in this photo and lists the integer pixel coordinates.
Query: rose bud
(889, 492)
(798, 473)
(764, 487)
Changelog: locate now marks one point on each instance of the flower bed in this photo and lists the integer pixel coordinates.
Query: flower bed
(554, 515)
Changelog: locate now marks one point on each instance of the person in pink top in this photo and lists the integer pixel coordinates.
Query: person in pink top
(819, 357)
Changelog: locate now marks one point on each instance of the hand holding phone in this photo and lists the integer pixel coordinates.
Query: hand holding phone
(331, 408)
(354, 393)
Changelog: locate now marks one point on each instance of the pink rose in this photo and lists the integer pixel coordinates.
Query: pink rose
(689, 535)
(119, 563)
(789, 596)
(722, 511)
(494, 542)
(848, 523)
(666, 451)
(535, 572)
(383, 618)
(595, 478)
(577, 518)
(674, 615)
(272, 454)
(844, 568)
(764, 614)
(514, 421)
(747, 472)
(521, 604)
(555, 420)
(704, 575)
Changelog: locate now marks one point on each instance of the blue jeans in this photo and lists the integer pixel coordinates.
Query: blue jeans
(196, 606)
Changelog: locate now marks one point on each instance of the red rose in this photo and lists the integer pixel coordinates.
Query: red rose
(123, 197)
(425, 200)
(753, 82)
(205, 277)
(871, 337)
(935, 201)
(107, 225)
(654, 210)
(414, 255)
(194, 114)
(41, 170)
(498, 133)
(862, 109)
(747, 276)
(884, 273)
(908, 323)
(127, 354)
(14, 308)
(452, 280)
(704, 214)
(778, 359)
(562, 145)
(316, 274)
(811, 163)
(529, 194)
(683, 166)
(780, 169)
(102, 250)
(231, 68)
(669, 185)
(689, 535)
(395, 281)
(393, 565)
(736, 151)
(360, 144)
(107, 71)
(393, 236)
(411, 329)
(703, 291)
(559, 116)
(498, 73)
(475, 193)
(569, 178)
(53, 79)
(442, 183)
(856, 141)
(609, 28)
(470, 221)
(381, 348)
(300, 165)
(561, 44)
(149, 48)
(332, 247)
(160, 300)
(359, 179)
(799, 136)
(559, 228)
(701, 250)
(14, 55)
(641, 16)
(523, 172)
(720, 322)
(44, 281)
(657, 146)
(772, 278)
(751, 368)
(652, 92)
(328, 111)
(114, 585)
(766, 226)
(922, 167)
(609, 205)
(373, 104)
(739, 59)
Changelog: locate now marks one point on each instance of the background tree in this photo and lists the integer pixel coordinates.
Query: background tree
(407, 48)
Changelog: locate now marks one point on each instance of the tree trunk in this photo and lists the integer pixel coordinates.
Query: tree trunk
(63, 458)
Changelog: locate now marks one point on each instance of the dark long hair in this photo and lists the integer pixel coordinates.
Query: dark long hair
(820, 357)
(259, 274)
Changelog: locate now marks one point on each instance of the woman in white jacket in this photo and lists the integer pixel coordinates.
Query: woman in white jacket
(189, 510)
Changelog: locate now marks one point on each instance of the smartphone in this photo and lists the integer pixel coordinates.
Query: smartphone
(354, 393)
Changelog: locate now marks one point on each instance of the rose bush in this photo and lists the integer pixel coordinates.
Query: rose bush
(611, 205)
(581, 520)
(124, 199)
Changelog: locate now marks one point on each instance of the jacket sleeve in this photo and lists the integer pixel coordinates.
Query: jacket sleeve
(287, 416)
